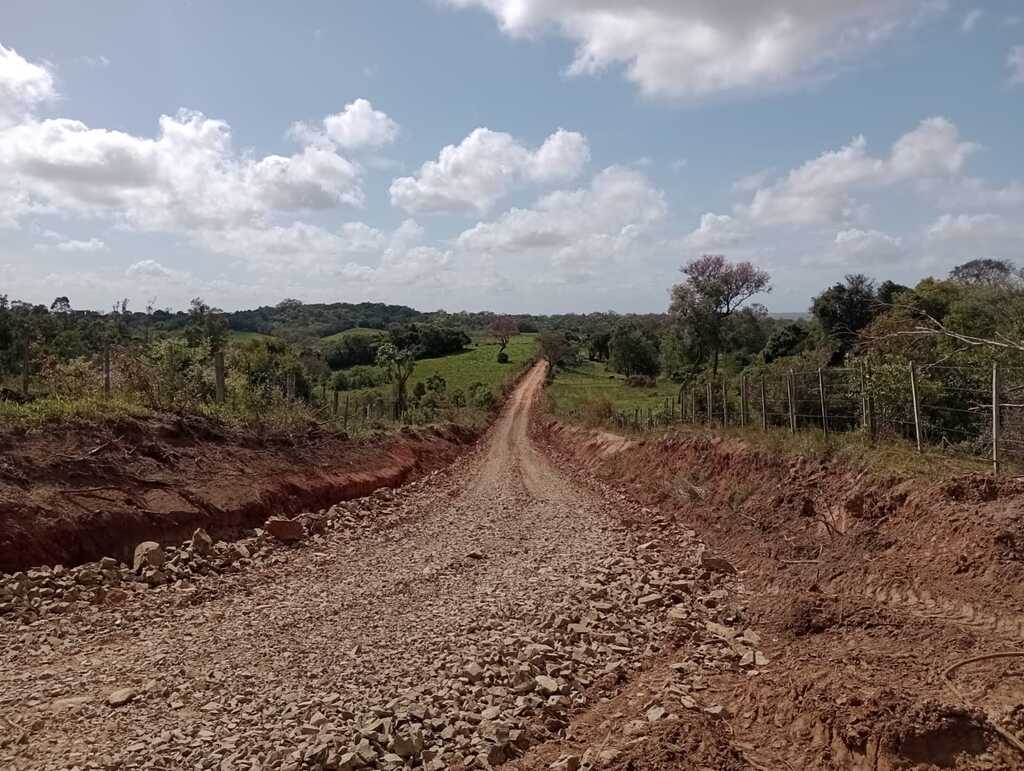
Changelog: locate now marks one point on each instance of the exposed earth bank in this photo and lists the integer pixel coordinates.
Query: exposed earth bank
(882, 599)
(75, 496)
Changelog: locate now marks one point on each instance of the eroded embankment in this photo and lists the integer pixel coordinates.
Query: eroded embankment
(72, 496)
(883, 596)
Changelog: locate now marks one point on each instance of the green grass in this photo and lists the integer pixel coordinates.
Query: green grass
(337, 336)
(241, 337)
(573, 388)
(477, 365)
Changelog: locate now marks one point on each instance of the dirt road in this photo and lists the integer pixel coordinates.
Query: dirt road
(473, 615)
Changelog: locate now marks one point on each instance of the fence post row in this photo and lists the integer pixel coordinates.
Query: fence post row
(791, 395)
(764, 407)
(917, 411)
(821, 397)
(995, 418)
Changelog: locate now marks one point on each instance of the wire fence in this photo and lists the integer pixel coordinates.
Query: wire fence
(973, 412)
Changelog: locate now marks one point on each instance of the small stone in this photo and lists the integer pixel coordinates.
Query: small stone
(716, 564)
(202, 543)
(120, 697)
(148, 554)
(284, 529)
(547, 684)
(656, 713)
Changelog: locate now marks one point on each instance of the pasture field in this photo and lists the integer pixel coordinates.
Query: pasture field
(592, 381)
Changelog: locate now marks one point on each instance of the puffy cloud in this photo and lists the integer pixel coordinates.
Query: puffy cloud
(358, 126)
(578, 229)
(92, 245)
(968, 227)
(473, 175)
(692, 48)
(821, 190)
(151, 270)
(716, 231)
(23, 86)
(188, 177)
(864, 247)
(1015, 61)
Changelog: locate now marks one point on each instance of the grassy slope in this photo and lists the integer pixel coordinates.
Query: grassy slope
(477, 364)
(330, 339)
(592, 380)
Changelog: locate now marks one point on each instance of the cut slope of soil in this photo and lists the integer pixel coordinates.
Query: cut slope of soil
(72, 497)
(869, 589)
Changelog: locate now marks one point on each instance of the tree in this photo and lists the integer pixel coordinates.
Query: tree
(556, 349)
(206, 325)
(714, 289)
(398, 365)
(984, 271)
(787, 341)
(843, 310)
(598, 345)
(632, 352)
(60, 305)
(503, 328)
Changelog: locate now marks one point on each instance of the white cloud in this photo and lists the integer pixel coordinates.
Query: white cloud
(855, 247)
(92, 245)
(24, 86)
(716, 231)
(96, 61)
(971, 19)
(693, 48)
(188, 177)
(821, 190)
(950, 227)
(577, 229)
(1015, 61)
(356, 127)
(151, 270)
(487, 165)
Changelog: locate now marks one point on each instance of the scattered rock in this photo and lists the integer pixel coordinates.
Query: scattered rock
(121, 697)
(284, 529)
(148, 554)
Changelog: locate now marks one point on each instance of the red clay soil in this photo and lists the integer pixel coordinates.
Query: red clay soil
(866, 590)
(75, 496)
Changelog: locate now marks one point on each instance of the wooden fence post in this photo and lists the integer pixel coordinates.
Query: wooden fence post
(106, 370)
(26, 366)
(725, 403)
(863, 401)
(218, 376)
(821, 396)
(791, 396)
(995, 418)
(917, 412)
(743, 400)
(344, 422)
(710, 400)
(693, 406)
(764, 407)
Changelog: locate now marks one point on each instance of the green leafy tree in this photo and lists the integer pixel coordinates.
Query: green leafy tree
(398, 364)
(714, 289)
(632, 351)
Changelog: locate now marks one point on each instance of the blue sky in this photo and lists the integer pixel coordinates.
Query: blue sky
(514, 155)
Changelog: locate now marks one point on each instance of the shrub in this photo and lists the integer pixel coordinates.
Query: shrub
(598, 410)
(479, 395)
(641, 381)
(72, 379)
(457, 398)
(502, 357)
(168, 375)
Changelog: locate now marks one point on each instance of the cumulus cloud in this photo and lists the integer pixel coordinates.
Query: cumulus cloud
(151, 270)
(356, 127)
(855, 247)
(716, 231)
(578, 229)
(968, 227)
(821, 190)
(24, 86)
(693, 48)
(1015, 61)
(487, 165)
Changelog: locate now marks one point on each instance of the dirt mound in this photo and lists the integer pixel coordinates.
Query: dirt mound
(73, 496)
(691, 744)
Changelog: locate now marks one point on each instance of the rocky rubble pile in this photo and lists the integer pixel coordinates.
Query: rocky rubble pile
(514, 686)
(29, 595)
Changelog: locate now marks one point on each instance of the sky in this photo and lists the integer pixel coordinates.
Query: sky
(541, 156)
